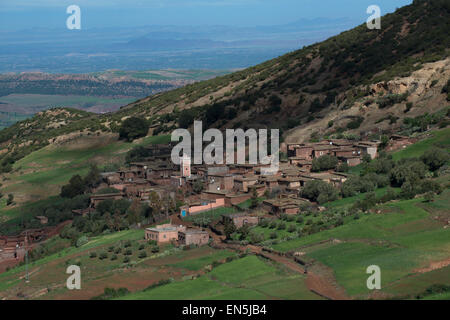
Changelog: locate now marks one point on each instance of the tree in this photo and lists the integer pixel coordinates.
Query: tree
(75, 187)
(320, 191)
(133, 128)
(197, 187)
(93, 178)
(229, 229)
(435, 158)
(254, 199)
(325, 162)
(185, 119)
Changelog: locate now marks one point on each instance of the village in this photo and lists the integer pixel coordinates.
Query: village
(205, 188)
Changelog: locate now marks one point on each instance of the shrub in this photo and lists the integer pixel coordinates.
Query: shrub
(273, 235)
(435, 158)
(133, 128)
(126, 260)
(281, 226)
(142, 254)
(82, 241)
(319, 191)
(114, 257)
(128, 252)
(93, 255)
(103, 255)
(325, 162)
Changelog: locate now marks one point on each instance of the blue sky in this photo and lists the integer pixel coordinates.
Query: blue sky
(24, 14)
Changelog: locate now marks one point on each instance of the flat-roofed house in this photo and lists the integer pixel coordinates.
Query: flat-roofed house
(368, 147)
(288, 206)
(241, 184)
(220, 181)
(163, 233)
(96, 199)
(240, 219)
(193, 237)
(301, 150)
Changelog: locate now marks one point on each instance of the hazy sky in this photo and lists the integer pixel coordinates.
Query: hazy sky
(23, 14)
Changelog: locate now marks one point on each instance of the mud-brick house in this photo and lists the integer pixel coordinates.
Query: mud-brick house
(133, 190)
(220, 182)
(368, 147)
(259, 188)
(241, 184)
(352, 161)
(321, 150)
(334, 178)
(140, 168)
(300, 150)
(240, 219)
(290, 182)
(301, 162)
(96, 199)
(270, 182)
(347, 152)
(397, 141)
(193, 237)
(127, 175)
(282, 206)
(111, 177)
(164, 233)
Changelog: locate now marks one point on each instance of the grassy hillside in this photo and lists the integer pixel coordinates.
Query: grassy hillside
(402, 240)
(309, 89)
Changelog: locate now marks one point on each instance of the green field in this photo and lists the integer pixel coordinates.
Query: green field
(42, 173)
(439, 138)
(403, 238)
(246, 278)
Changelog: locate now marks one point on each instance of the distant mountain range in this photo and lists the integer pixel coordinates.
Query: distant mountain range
(143, 48)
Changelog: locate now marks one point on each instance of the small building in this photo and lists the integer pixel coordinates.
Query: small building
(282, 206)
(220, 181)
(163, 233)
(241, 184)
(193, 237)
(368, 147)
(240, 219)
(96, 199)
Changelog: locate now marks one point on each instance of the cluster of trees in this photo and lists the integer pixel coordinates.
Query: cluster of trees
(325, 162)
(78, 185)
(133, 128)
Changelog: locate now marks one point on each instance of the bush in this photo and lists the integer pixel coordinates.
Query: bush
(325, 162)
(81, 241)
(319, 191)
(113, 257)
(291, 228)
(133, 128)
(435, 158)
(93, 255)
(142, 255)
(273, 235)
(281, 226)
(126, 260)
(128, 252)
(103, 255)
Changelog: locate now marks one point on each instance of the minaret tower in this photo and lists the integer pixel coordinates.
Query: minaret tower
(185, 166)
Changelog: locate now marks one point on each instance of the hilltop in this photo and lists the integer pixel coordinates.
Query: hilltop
(360, 83)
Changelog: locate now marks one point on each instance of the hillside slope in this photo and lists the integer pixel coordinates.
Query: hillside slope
(328, 88)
